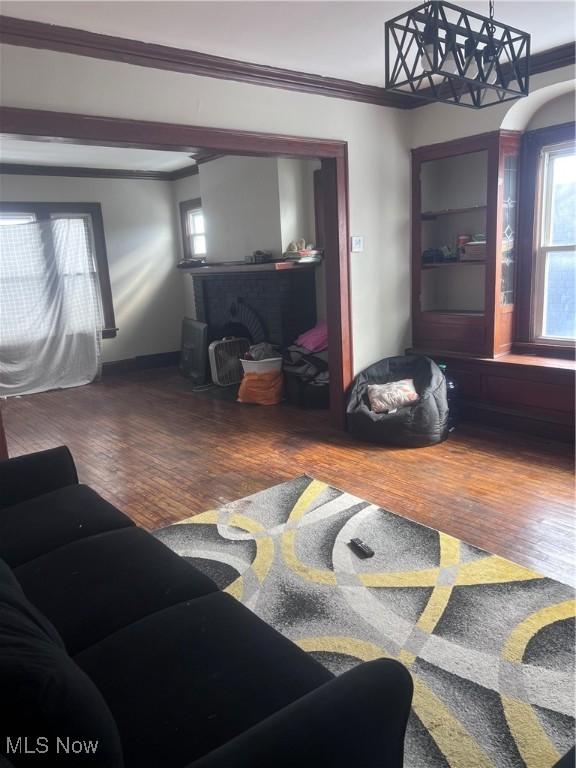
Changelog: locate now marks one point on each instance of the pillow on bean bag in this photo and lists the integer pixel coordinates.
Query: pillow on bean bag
(387, 397)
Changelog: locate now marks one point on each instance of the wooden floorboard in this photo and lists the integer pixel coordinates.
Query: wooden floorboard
(161, 453)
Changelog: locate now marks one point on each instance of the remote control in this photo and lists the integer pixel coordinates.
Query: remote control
(361, 548)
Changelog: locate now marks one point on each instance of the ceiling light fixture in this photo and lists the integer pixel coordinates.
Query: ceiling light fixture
(441, 52)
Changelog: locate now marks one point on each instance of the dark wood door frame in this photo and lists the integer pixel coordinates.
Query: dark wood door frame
(109, 131)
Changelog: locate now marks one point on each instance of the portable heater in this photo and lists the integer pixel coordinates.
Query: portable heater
(225, 365)
(194, 352)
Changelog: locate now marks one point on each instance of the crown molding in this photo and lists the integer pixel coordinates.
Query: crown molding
(207, 155)
(52, 37)
(553, 58)
(183, 173)
(22, 169)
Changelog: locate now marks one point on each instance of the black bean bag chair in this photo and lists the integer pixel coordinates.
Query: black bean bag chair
(424, 422)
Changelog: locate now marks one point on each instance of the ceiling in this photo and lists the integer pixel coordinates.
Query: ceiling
(337, 39)
(29, 152)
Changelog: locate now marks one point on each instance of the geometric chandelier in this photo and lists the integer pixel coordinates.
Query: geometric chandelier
(438, 51)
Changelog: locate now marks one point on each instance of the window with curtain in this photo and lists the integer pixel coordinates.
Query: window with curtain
(51, 305)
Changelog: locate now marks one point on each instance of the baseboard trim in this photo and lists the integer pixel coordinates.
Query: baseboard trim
(140, 363)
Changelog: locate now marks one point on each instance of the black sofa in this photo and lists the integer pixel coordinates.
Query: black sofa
(108, 636)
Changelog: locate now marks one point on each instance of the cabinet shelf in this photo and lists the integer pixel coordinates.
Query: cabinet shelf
(454, 312)
(453, 263)
(431, 215)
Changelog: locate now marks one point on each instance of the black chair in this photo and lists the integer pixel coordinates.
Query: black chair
(425, 422)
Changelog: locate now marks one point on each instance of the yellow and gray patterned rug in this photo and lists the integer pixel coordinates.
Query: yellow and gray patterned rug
(490, 644)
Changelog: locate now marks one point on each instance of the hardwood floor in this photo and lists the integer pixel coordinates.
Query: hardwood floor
(160, 452)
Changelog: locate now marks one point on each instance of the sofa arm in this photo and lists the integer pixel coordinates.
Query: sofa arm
(25, 477)
(357, 719)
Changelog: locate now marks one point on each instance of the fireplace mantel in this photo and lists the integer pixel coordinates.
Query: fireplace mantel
(240, 267)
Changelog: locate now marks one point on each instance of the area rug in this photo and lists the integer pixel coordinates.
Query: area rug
(490, 644)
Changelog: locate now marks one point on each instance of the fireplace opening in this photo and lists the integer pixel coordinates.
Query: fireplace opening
(243, 321)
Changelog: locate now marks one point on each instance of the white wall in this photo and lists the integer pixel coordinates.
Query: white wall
(560, 110)
(296, 194)
(378, 140)
(241, 207)
(436, 123)
(142, 254)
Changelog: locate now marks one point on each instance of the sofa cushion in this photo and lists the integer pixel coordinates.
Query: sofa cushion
(34, 527)
(97, 585)
(45, 695)
(13, 601)
(185, 680)
(7, 577)
(24, 477)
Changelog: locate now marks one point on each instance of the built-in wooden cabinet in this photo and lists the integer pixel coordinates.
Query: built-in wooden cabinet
(464, 210)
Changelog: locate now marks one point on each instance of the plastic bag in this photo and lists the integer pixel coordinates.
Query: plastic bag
(262, 388)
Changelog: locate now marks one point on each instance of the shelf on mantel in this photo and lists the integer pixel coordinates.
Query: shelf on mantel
(466, 312)
(430, 215)
(452, 263)
(235, 267)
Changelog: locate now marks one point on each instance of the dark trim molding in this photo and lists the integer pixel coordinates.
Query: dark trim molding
(183, 173)
(21, 169)
(140, 363)
(120, 132)
(206, 156)
(553, 58)
(542, 349)
(52, 37)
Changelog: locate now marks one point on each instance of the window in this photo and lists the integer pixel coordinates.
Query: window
(8, 219)
(554, 310)
(193, 232)
(546, 280)
(77, 241)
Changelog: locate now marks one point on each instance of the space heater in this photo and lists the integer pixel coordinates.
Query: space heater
(194, 351)
(225, 365)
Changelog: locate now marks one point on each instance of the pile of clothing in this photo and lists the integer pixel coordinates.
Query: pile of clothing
(306, 368)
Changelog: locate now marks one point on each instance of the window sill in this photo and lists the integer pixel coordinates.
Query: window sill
(543, 349)
(537, 361)
(516, 359)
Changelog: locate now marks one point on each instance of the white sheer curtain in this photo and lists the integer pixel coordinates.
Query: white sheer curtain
(50, 306)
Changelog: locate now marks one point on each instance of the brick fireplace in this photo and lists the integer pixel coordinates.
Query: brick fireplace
(275, 306)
